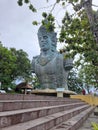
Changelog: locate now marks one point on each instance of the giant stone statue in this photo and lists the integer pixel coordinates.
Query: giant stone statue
(50, 66)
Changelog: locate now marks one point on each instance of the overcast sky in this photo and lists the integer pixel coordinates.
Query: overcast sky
(16, 29)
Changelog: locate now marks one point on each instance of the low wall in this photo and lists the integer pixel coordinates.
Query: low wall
(90, 99)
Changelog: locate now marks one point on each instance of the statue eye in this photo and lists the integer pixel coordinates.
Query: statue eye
(45, 37)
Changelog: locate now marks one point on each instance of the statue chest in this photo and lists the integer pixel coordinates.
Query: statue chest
(48, 68)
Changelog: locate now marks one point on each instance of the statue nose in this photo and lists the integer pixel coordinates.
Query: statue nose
(42, 39)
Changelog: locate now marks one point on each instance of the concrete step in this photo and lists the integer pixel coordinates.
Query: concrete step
(23, 115)
(47, 122)
(8, 105)
(75, 122)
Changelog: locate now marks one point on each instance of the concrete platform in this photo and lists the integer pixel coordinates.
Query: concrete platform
(53, 92)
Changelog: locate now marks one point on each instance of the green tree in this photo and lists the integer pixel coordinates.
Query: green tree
(88, 74)
(14, 64)
(7, 66)
(79, 38)
(76, 34)
(23, 64)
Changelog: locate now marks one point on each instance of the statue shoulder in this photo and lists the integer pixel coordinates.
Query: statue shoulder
(35, 57)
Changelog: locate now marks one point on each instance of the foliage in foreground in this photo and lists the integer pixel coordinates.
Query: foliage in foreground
(95, 126)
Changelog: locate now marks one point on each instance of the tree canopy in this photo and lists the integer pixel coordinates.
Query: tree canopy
(74, 82)
(13, 64)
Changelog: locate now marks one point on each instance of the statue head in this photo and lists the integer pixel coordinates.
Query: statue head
(47, 37)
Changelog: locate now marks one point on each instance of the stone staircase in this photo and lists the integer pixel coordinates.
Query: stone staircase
(31, 112)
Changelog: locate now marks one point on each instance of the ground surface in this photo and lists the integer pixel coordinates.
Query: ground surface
(87, 125)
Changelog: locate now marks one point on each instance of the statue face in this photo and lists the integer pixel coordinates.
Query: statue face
(44, 42)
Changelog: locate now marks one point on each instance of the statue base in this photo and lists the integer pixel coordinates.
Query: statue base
(53, 92)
